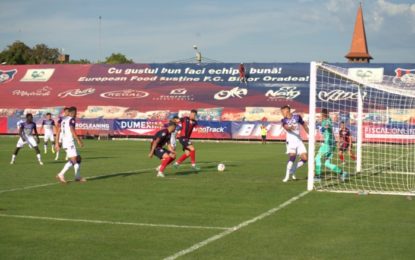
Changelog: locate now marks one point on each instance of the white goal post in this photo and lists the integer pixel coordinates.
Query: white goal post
(379, 112)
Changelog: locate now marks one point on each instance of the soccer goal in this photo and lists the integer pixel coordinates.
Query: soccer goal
(379, 112)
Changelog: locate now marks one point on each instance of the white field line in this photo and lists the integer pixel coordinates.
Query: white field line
(235, 228)
(111, 222)
(55, 183)
(29, 187)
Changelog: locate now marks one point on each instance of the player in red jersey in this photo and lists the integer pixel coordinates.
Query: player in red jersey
(160, 139)
(187, 123)
(345, 142)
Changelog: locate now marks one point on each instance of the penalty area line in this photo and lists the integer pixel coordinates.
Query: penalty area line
(111, 222)
(236, 228)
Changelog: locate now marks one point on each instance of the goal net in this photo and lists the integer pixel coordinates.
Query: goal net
(366, 141)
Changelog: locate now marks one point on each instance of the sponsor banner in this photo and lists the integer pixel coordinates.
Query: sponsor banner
(205, 129)
(263, 114)
(368, 75)
(41, 92)
(252, 130)
(137, 127)
(209, 114)
(3, 125)
(388, 133)
(76, 92)
(406, 76)
(7, 75)
(94, 126)
(125, 94)
(37, 75)
(213, 130)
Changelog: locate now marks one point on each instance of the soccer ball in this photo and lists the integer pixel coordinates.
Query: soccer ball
(221, 167)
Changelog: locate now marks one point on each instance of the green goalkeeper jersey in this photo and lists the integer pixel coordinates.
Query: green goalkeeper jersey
(327, 129)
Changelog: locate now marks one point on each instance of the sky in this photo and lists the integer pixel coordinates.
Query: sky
(223, 30)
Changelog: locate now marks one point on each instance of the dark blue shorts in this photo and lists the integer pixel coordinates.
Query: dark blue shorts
(159, 152)
(344, 147)
(185, 142)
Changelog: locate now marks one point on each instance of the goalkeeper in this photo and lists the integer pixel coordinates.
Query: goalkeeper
(328, 148)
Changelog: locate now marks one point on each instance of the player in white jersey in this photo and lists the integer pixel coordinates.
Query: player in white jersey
(28, 135)
(295, 146)
(67, 131)
(58, 129)
(48, 126)
(173, 137)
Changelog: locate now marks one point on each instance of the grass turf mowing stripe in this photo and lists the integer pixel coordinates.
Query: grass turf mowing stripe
(93, 177)
(111, 222)
(235, 228)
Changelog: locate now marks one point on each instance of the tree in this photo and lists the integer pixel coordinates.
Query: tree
(117, 58)
(16, 53)
(80, 61)
(42, 54)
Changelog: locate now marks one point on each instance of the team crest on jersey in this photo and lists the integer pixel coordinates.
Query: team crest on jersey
(404, 76)
(7, 75)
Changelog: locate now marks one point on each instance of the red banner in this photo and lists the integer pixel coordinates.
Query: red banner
(3, 124)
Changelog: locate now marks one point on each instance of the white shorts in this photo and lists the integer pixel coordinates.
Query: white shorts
(296, 147)
(173, 142)
(49, 137)
(71, 151)
(30, 140)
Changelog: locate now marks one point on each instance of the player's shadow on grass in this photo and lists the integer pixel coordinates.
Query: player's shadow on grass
(84, 158)
(114, 175)
(206, 168)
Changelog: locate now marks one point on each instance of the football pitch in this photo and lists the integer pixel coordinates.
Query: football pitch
(246, 212)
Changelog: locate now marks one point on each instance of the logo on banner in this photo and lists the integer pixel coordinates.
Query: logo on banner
(7, 75)
(209, 129)
(373, 75)
(178, 91)
(93, 126)
(76, 92)
(42, 92)
(125, 94)
(38, 75)
(337, 95)
(289, 92)
(406, 76)
(233, 93)
(178, 94)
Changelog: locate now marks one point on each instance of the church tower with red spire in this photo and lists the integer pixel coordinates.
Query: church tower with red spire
(359, 52)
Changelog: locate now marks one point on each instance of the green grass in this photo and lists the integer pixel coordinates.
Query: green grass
(317, 226)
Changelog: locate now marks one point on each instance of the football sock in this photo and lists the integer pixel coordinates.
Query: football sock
(182, 158)
(66, 167)
(341, 157)
(164, 163)
(38, 157)
(77, 170)
(301, 163)
(193, 157)
(318, 164)
(290, 164)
